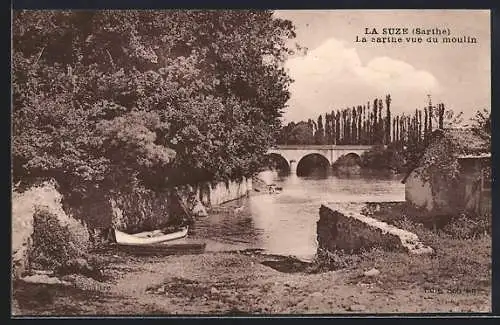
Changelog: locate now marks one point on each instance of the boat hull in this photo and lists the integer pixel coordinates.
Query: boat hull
(165, 249)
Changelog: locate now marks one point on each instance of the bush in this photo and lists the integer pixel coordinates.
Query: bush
(380, 158)
(468, 226)
(52, 244)
(420, 221)
(326, 260)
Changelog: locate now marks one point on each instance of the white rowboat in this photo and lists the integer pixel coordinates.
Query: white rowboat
(141, 240)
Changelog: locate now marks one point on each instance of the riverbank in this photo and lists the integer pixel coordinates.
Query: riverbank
(230, 281)
(236, 283)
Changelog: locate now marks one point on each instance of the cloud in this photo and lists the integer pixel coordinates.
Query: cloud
(332, 76)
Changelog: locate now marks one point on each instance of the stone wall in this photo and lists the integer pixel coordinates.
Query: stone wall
(143, 210)
(346, 229)
(212, 195)
(337, 231)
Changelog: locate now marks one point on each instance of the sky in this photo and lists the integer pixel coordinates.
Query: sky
(338, 72)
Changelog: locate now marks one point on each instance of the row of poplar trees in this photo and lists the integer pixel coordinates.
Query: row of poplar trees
(370, 124)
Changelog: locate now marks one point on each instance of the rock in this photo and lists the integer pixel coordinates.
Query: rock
(422, 250)
(68, 278)
(214, 290)
(199, 210)
(43, 272)
(77, 266)
(371, 273)
(357, 308)
(78, 263)
(43, 279)
(161, 290)
(316, 294)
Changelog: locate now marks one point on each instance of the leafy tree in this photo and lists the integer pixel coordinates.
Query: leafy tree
(419, 126)
(426, 125)
(374, 126)
(328, 128)
(440, 110)
(380, 123)
(379, 158)
(388, 118)
(447, 118)
(104, 98)
(302, 133)
(360, 125)
(337, 128)
(285, 133)
(354, 123)
(394, 134)
(348, 127)
(431, 115)
(319, 135)
(344, 127)
(481, 124)
(365, 126)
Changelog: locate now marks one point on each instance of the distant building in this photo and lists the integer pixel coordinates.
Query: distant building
(462, 153)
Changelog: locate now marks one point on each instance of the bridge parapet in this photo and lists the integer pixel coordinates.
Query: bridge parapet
(322, 147)
(293, 154)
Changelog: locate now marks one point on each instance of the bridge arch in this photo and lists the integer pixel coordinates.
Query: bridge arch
(275, 160)
(310, 161)
(349, 158)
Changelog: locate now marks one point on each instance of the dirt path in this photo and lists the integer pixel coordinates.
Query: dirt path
(222, 283)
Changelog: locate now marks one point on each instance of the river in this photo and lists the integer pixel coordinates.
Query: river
(285, 223)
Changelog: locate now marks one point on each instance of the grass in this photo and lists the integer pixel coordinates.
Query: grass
(458, 266)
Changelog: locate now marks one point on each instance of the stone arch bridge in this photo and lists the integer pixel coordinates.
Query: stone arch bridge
(294, 153)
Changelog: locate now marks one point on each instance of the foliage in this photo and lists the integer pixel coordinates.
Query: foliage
(440, 167)
(481, 124)
(326, 261)
(104, 99)
(52, 244)
(468, 226)
(447, 118)
(379, 157)
(388, 119)
(319, 135)
(301, 133)
(362, 125)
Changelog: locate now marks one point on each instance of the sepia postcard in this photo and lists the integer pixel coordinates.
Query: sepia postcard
(250, 162)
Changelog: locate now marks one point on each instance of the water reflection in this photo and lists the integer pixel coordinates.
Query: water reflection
(285, 223)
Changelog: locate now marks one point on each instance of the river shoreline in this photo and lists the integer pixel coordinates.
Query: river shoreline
(235, 284)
